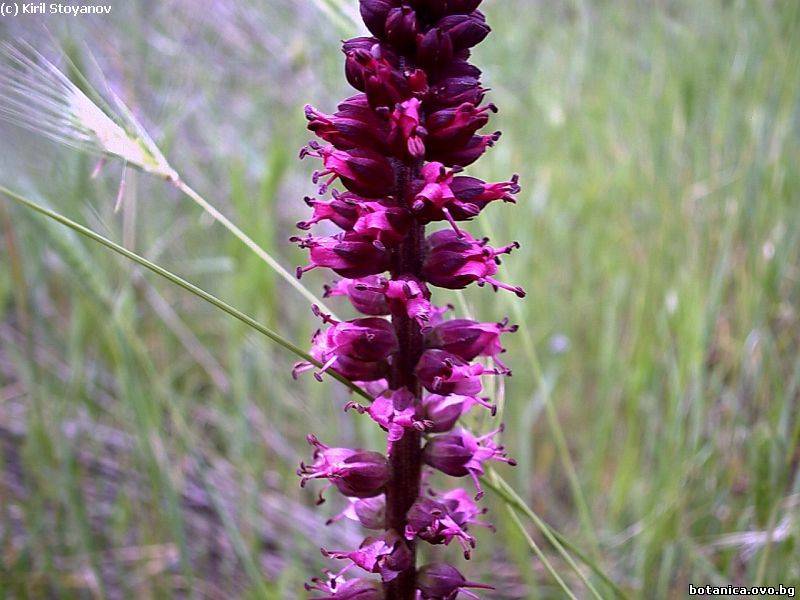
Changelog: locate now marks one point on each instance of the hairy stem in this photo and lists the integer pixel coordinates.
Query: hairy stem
(406, 455)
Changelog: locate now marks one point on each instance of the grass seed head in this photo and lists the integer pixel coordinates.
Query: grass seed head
(36, 95)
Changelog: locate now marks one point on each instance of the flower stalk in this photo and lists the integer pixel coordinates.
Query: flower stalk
(405, 459)
(398, 148)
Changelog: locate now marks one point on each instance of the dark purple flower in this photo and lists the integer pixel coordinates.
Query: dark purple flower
(454, 261)
(349, 254)
(357, 473)
(361, 170)
(369, 339)
(467, 153)
(354, 125)
(387, 555)
(381, 222)
(342, 211)
(454, 90)
(353, 369)
(445, 196)
(410, 296)
(370, 69)
(359, 52)
(378, 221)
(366, 294)
(445, 373)
(435, 199)
(356, 349)
(444, 411)
(440, 581)
(380, 296)
(474, 191)
(460, 454)
(431, 521)
(395, 412)
(455, 126)
(469, 339)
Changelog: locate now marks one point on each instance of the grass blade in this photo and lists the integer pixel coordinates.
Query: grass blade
(513, 501)
(177, 280)
(248, 241)
(538, 551)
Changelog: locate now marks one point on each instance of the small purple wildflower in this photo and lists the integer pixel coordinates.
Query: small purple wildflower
(461, 453)
(387, 554)
(356, 473)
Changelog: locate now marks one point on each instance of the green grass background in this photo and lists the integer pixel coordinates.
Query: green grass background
(149, 442)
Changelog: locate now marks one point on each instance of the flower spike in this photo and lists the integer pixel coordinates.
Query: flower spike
(399, 147)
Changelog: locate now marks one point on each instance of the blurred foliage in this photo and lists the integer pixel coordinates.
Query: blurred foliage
(148, 443)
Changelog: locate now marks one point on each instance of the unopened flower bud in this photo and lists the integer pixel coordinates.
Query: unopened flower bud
(374, 13)
(370, 69)
(434, 48)
(466, 31)
(438, 8)
(440, 581)
(401, 26)
(455, 90)
(462, 6)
